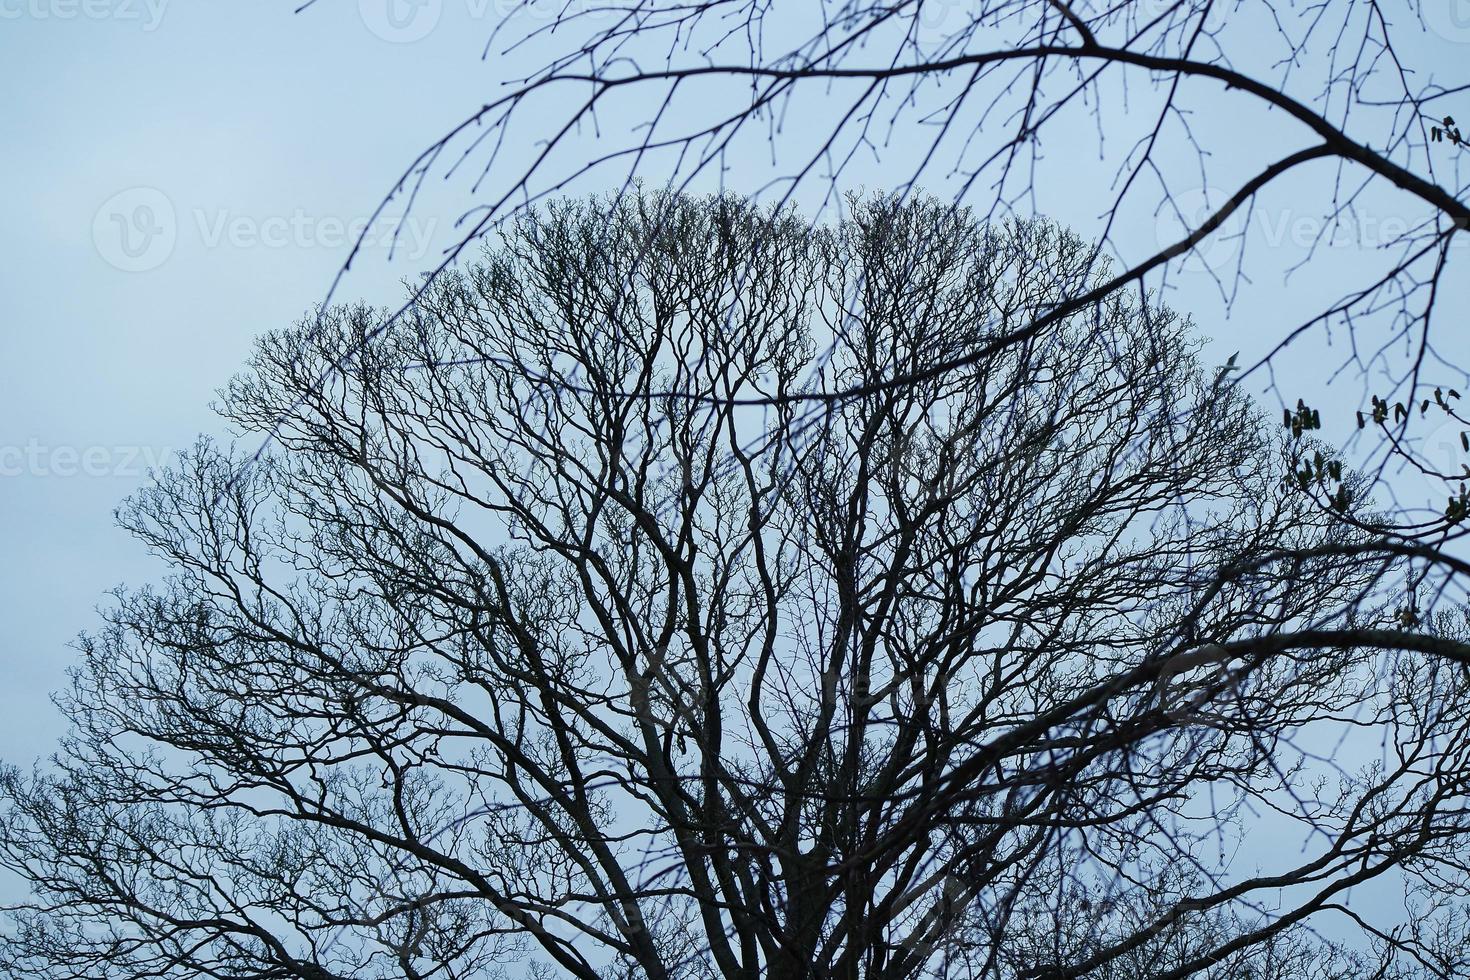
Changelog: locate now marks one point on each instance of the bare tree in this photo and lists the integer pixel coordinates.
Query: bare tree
(1195, 115)
(554, 635)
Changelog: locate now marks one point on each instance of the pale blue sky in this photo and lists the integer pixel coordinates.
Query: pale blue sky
(267, 135)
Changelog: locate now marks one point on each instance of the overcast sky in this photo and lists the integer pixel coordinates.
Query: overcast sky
(181, 176)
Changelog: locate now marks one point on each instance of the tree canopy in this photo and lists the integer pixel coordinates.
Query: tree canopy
(568, 628)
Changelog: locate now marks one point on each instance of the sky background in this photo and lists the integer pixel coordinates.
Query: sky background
(181, 176)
